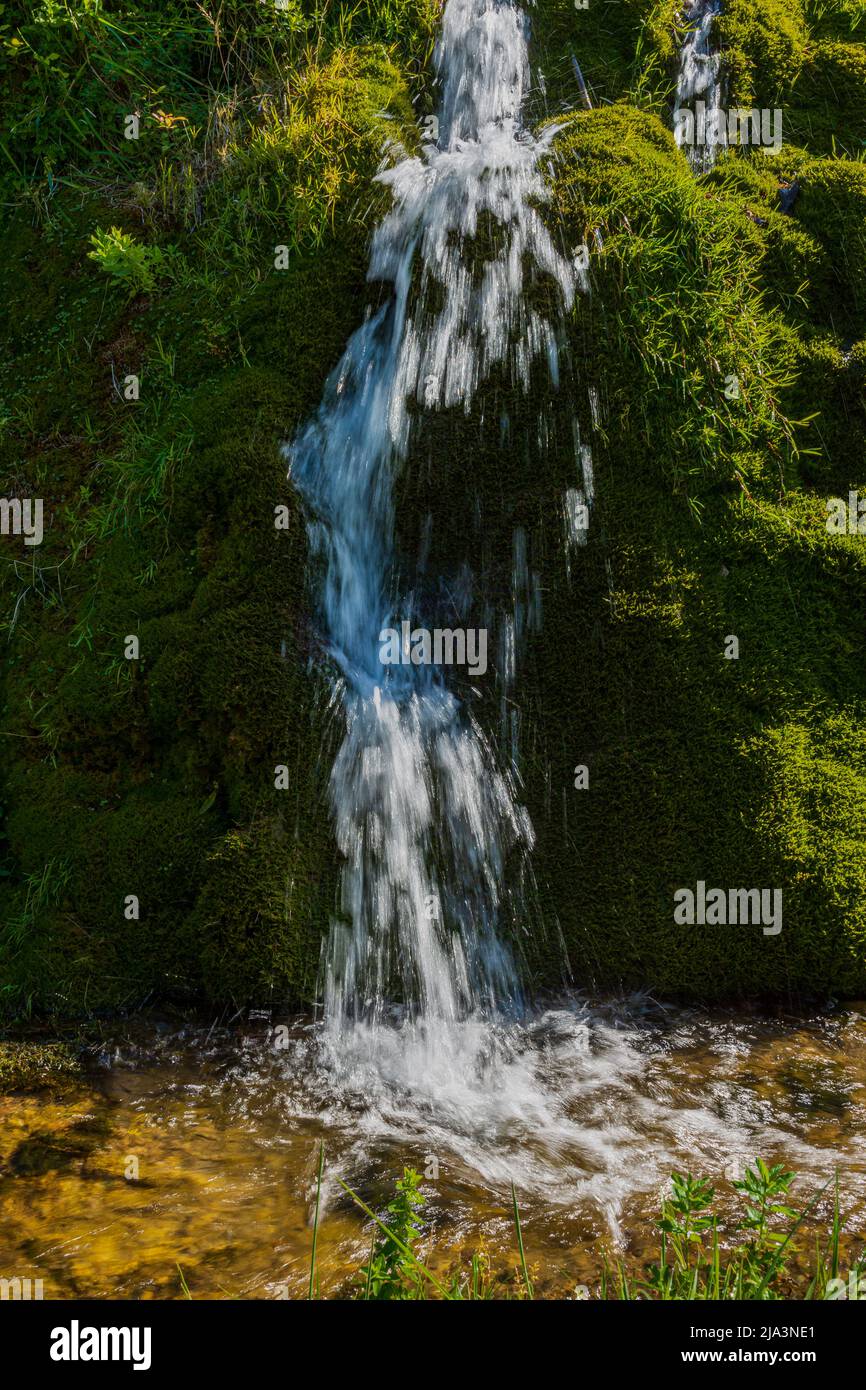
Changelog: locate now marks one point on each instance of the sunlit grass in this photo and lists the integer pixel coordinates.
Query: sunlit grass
(700, 1256)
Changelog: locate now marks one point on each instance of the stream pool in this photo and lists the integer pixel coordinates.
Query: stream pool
(195, 1150)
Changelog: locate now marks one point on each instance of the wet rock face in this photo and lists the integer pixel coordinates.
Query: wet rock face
(650, 756)
(665, 696)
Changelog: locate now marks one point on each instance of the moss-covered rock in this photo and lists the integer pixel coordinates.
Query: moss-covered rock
(765, 47)
(689, 293)
(707, 350)
(716, 371)
(148, 850)
(806, 59)
(35, 1066)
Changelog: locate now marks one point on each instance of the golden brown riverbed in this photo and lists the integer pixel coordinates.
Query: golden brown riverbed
(183, 1150)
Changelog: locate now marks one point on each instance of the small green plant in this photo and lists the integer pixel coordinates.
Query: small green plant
(763, 1188)
(695, 1264)
(685, 1215)
(392, 1271)
(698, 1260)
(43, 889)
(127, 261)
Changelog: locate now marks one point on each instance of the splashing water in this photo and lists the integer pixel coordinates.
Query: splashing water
(602, 1102)
(425, 820)
(700, 86)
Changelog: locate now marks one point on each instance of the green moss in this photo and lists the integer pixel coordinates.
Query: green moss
(708, 522)
(618, 44)
(154, 778)
(831, 98)
(833, 211)
(667, 726)
(813, 813)
(764, 46)
(779, 53)
(261, 912)
(32, 1066)
(843, 20)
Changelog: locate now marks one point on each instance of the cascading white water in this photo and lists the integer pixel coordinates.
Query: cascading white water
(425, 820)
(699, 88)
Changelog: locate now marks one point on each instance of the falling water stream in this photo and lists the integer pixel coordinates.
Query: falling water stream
(699, 86)
(425, 818)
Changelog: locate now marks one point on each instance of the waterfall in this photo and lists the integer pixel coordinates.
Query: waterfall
(699, 121)
(425, 819)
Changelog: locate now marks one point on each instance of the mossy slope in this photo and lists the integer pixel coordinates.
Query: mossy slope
(236, 273)
(155, 777)
(711, 521)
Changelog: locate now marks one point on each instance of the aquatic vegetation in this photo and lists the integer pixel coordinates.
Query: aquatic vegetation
(698, 1257)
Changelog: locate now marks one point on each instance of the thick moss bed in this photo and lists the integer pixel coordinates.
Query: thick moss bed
(710, 522)
(154, 778)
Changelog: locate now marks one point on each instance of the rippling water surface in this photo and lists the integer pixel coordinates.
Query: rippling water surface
(587, 1108)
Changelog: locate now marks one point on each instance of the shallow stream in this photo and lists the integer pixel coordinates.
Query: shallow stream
(586, 1108)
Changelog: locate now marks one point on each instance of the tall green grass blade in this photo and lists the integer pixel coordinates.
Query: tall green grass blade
(401, 1245)
(519, 1231)
(312, 1291)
